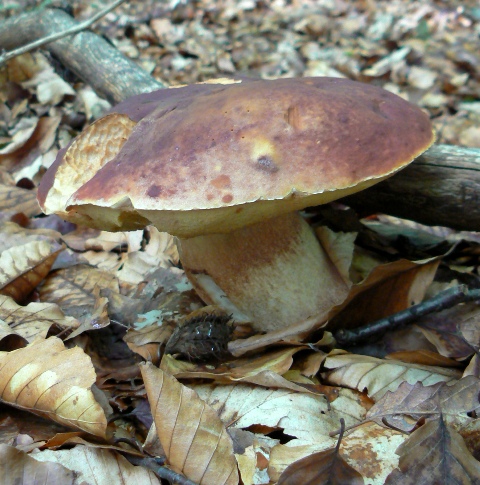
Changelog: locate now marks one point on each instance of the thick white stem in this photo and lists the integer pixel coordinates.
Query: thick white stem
(276, 271)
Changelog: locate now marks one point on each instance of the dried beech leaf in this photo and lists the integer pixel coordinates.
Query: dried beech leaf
(16, 467)
(193, 436)
(326, 467)
(369, 449)
(75, 290)
(15, 199)
(35, 319)
(378, 376)
(10, 340)
(53, 382)
(99, 466)
(23, 267)
(307, 417)
(16, 235)
(417, 400)
(435, 453)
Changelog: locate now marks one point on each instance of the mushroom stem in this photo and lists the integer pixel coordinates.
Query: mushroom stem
(275, 271)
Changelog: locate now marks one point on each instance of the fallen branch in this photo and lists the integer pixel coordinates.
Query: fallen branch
(58, 35)
(441, 188)
(373, 331)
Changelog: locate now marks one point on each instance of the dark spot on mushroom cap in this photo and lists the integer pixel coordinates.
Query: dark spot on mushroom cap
(227, 198)
(154, 190)
(221, 182)
(266, 164)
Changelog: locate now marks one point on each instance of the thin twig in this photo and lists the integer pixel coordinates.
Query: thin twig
(59, 35)
(446, 299)
(160, 471)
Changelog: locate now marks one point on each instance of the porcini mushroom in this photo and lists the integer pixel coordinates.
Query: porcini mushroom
(225, 168)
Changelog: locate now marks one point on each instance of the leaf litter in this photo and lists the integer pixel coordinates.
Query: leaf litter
(408, 399)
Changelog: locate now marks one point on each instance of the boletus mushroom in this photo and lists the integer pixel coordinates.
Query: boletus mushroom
(226, 167)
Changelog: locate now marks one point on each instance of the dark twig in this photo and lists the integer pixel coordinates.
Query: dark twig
(58, 35)
(445, 299)
(160, 471)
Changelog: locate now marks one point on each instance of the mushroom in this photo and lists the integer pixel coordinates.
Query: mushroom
(226, 168)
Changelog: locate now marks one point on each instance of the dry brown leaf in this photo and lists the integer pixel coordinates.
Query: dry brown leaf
(378, 376)
(416, 400)
(369, 449)
(307, 417)
(23, 267)
(76, 291)
(16, 235)
(194, 438)
(325, 467)
(35, 319)
(16, 467)
(10, 340)
(454, 332)
(423, 357)
(397, 286)
(44, 378)
(435, 453)
(15, 199)
(98, 466)
(26, 160)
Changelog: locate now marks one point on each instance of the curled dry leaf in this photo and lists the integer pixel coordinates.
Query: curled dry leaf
(53, 382)
(435, 453)
(15, 199)
(35, 319)
(325, 467)
(369, 449)
(417, 400)
(16, 467)
(10, 340)
(76, 291)
(303, 416)
(378, 376)
(98, 466)
(194, 438)
(23, 267)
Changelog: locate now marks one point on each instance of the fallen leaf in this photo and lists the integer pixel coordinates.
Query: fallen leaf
(194, 438)
(15, 199)
(44, 378)
(23, 267)
(417, 400)
(435, 453)
(16, 467)
(98, 466)
(325, 467)
(378, 376)
(35, 319)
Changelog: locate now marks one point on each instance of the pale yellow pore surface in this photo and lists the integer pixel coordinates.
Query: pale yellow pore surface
(276, 272)
(89, 152)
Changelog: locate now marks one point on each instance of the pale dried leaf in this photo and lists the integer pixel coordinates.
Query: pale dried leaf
(193, 436)
(44, 378)
(23, 267)
(10, 340)
(16, 467)
(75, 290)
(16, 235)
(378, 376)
(435, 453)
(98, 466)
(16, 199)
(417, 400)
(369, 449)
(35, 319)
(307, 417)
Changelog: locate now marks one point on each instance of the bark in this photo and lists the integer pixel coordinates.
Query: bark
(92, 58)
(441, 187)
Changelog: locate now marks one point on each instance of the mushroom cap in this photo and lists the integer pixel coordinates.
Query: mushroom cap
(212, 158)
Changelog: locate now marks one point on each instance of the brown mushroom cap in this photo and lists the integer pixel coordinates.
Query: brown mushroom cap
(213, 158)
